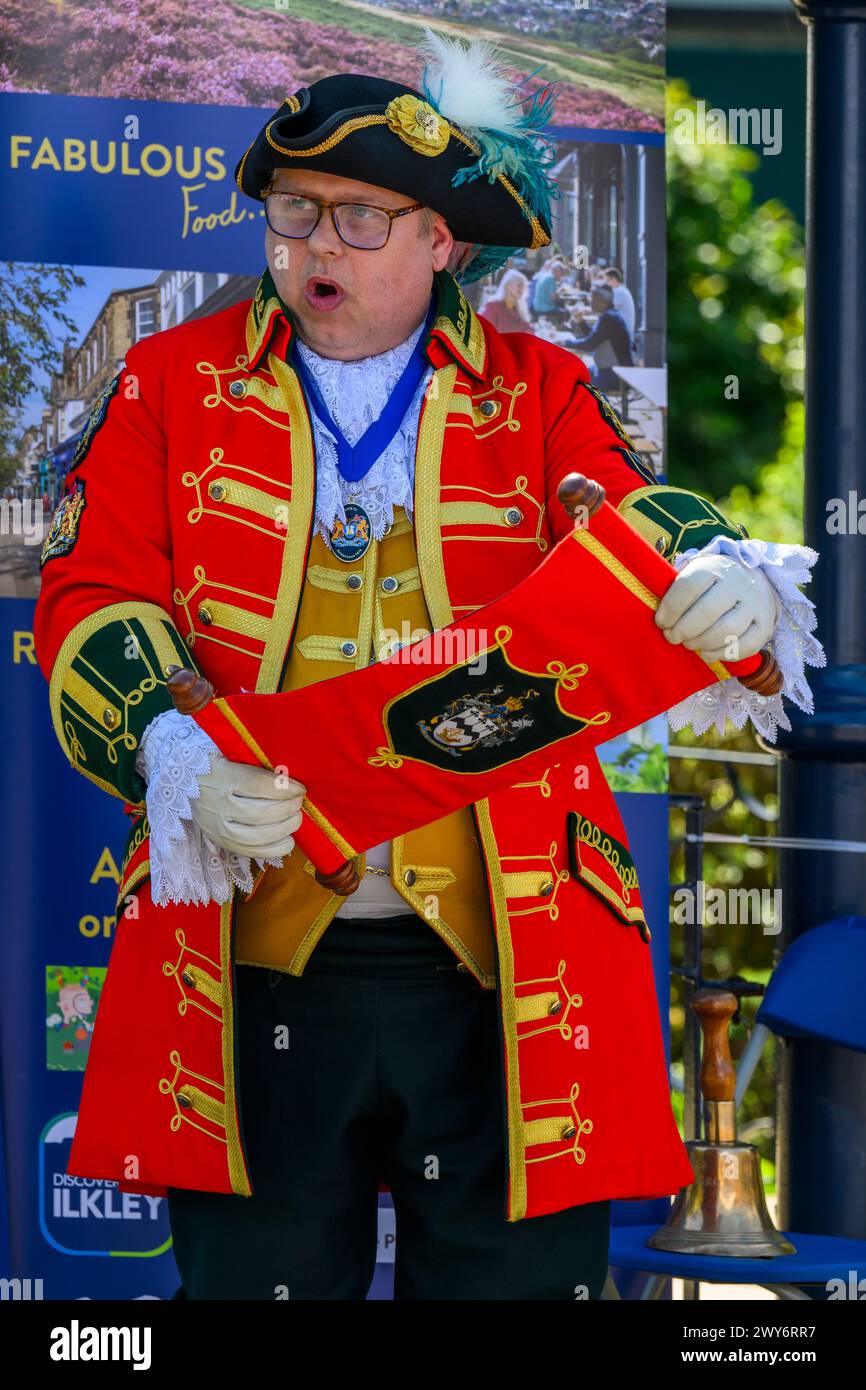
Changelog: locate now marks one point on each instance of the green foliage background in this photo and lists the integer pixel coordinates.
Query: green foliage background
(736, 275)
(33, 324)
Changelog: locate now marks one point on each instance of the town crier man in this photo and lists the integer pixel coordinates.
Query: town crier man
(283, 493)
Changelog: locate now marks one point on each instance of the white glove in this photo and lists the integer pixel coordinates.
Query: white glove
(248, 810)
(719, 607)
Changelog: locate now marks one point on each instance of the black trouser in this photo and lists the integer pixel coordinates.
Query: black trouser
(392, 1069)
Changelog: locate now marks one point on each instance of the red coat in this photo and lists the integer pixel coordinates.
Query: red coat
(183, 537)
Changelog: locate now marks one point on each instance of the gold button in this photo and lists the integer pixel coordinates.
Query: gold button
(238, 388)
(513, 516)
(410, 877)
(205, 616)
(546, 889)
(354, 581)
(184, 1101)
(216, 491)
(463, 969)
(660, 543)
(188, 978)
(569, 1132)
(349, 648)
(488, 409)
(556, 1007)
(171, 668)
(390, 584)
(109, 718)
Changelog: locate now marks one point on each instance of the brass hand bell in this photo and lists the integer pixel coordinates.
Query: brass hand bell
(723, 1212)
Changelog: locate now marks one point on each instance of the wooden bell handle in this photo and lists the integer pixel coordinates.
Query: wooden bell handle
(577, 493)
(191, 694)
(714, 1009)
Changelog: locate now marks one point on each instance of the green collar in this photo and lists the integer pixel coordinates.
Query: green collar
(456, 325)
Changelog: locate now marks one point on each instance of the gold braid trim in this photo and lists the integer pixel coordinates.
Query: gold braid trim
(236, 1164)
(297, 539)
(624, 575)
(516, 1150)
(539, 235)
(347, 128)
(431, 432)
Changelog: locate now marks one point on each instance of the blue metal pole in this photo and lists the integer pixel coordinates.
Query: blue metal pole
(821, 1146)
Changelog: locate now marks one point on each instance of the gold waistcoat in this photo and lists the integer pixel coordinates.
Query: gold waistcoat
(348, 611)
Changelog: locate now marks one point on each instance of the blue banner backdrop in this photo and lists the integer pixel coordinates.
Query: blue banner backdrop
(100, 181)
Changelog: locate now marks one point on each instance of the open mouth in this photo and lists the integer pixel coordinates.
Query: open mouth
(324, 294)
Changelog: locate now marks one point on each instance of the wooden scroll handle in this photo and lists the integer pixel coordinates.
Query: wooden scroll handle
(189, 691)
(582, 497)
(191, 694)
(767, 678)
(714, 1009)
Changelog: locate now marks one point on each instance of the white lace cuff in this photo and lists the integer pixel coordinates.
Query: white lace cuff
(185, 864)
(792, 643)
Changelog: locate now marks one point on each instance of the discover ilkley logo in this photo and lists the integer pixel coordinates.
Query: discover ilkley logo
(77, 1343)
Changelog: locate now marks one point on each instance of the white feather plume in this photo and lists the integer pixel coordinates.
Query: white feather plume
(468, 83)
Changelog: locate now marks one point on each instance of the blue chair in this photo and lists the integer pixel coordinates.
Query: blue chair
(817, 988)
(815, 992)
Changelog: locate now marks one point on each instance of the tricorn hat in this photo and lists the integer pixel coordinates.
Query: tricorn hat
(465, 145)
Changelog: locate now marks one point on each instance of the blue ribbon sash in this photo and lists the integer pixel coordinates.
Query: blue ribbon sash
(355, 460)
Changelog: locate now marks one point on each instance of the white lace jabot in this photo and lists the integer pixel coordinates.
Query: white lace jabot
(355, 394)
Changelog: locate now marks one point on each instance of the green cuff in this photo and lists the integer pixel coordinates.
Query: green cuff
(108, 683)
(673, 519)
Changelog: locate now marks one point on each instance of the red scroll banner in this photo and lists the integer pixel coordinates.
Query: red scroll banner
(571, 656)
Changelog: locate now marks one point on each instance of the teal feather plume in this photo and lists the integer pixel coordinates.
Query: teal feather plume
(523, 155)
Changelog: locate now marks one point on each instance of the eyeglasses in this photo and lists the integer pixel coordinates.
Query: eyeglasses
(360, 225)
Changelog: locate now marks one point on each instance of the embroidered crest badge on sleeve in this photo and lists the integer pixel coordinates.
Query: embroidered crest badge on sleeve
(636, 462)
(610, 417)
(63, 531)
(94, 421)
(608, 414)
